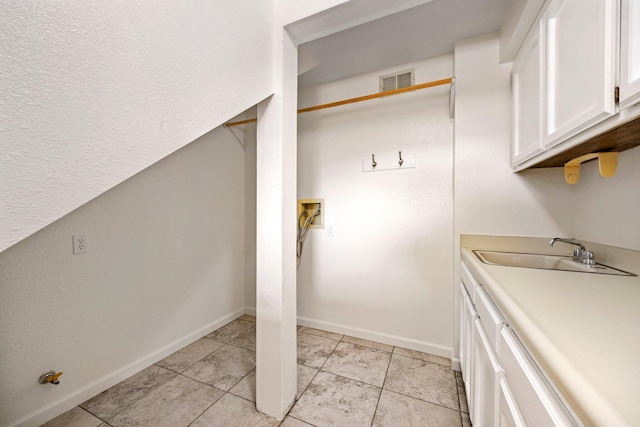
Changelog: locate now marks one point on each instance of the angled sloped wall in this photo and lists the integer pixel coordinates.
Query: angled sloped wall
(95, 92)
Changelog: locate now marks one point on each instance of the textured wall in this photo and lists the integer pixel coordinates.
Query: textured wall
(489, 197)
(165, 266)
(386, 274)
(606, 209)
(94, 92)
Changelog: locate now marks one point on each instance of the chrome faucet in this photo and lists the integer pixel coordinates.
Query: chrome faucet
(580, 254)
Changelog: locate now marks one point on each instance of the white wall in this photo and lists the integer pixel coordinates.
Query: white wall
(386, 274)
(250, 216)
(606, 209)
(489, 197)
(94, 93)
(165, 266)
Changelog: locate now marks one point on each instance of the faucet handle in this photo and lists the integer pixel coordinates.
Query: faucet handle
(588, 258)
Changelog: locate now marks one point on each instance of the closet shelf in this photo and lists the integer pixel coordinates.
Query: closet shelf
(450, 80)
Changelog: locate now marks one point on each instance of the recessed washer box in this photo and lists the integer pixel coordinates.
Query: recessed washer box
(310, 205)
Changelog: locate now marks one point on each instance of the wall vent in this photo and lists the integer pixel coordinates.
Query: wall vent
(397, 80)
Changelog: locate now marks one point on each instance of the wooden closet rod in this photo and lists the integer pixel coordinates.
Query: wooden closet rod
(358, 99)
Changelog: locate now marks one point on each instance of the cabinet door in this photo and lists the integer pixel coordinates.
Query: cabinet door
(630, 53)
(486, 377)
(526, 138)
(468, 319)
(508, 413)
(579, 39)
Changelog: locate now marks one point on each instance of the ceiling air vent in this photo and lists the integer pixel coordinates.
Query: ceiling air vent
(397, 80)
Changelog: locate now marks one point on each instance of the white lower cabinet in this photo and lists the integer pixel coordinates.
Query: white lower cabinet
(468, 317)
(504, 385)
(486, 379)
(538, 402)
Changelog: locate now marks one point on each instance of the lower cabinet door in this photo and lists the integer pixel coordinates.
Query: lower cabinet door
(468, 317)
(486, 377)
(508, 412)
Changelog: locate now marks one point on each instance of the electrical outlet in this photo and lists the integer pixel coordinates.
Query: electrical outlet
(331, 231)
(80, 244)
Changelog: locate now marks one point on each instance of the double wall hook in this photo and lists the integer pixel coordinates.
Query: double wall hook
(373, 161)
(400, 162)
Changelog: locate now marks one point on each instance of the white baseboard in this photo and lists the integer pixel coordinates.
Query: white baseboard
(51, 411)
(366, 334)
(455, 364)
(395, 340)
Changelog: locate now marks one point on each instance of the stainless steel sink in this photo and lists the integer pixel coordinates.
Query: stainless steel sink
(544, 262)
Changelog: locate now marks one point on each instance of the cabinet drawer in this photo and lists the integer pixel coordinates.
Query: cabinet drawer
(490, 317)
(538, 403)
(469, 282)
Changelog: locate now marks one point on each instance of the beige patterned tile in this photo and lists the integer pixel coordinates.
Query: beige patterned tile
(331, 400)
(232, 410)
(230, 331)
(75, 417)
(248, 318)
(320, 333)
(462, 396)
(184, 358)
(398, 410)
(466, 421)
(422, 356)
(423, 380)
(367, 343)
(246, 388)
(176, 403)
(358, 363)
(313, 350)
(223, 368)
(305, 375)
(115, 399)
(292, 422)
(247, 340)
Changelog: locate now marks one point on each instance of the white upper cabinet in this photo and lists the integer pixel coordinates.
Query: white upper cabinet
(526, 96)
(629, 53)
(579, 42)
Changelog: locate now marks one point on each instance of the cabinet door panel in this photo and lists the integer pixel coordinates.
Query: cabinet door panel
(526, 139)
(580, 51)
(630, 53)
(508, 412)
(469, 317)
(486, 377)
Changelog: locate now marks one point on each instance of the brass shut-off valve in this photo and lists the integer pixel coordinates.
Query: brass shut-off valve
(50, 377)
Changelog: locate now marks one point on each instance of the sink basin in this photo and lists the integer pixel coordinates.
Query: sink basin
(544, 262)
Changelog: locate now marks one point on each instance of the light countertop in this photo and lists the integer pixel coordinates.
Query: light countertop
(583, 329)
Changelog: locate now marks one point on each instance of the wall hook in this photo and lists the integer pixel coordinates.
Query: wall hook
(400, 162)
(50, 377)
(373, 161)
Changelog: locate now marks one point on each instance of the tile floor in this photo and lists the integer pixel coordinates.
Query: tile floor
(342, 381)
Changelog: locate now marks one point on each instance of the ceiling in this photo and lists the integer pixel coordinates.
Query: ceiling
(418, 33)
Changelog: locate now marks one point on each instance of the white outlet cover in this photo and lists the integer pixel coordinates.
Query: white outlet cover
(80, 244)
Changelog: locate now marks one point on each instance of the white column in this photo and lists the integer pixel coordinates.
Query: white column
(275, 240)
